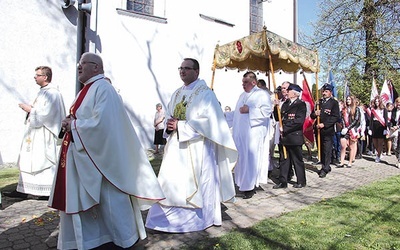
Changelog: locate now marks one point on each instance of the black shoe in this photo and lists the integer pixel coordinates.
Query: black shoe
(15, 194)
(340, 166)
(322, 174)
(248, 194)
(335, 162)
(358, 157)
(279, 185)
(43, 198)
(299, 185)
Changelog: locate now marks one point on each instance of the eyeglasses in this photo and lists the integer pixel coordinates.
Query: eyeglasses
(185, 68)
(83, 63)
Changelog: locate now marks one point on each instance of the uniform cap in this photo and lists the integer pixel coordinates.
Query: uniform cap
(294, 87)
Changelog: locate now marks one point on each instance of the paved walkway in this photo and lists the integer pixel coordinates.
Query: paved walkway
(30, 224)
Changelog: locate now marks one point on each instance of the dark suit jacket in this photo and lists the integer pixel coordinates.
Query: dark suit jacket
(329, 115)
(354, 122)
(393, 121)
(293, 117)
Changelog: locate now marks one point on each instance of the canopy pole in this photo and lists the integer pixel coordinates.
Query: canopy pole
(213, 70)
(318, 108)
(276, 94)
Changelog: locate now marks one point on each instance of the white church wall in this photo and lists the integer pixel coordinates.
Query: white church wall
(141, 57)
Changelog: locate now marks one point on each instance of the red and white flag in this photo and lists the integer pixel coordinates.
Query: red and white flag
(374, 90)
(308, 123)
(386, 93)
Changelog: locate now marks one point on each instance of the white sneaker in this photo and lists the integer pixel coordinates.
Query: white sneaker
(398, 165)
(377, 159)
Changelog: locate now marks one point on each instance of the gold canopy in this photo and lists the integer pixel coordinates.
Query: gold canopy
(267, 52)
(252, 53)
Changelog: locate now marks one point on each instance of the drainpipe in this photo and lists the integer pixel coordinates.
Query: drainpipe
(80, 41)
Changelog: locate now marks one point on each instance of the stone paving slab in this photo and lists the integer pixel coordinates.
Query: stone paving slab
(30, 224)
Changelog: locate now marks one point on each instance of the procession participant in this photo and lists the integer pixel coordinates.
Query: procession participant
(293, 116)
(104, 178)
(378, 126)
(351, 117)
(329, 115)
(196, 171)
(40, 145)
(250, 127)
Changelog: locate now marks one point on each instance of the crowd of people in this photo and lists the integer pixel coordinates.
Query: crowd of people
(100, 179)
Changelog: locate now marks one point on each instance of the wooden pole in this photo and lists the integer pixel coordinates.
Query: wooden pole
(213, 70)
(271, 66)
(318, 117)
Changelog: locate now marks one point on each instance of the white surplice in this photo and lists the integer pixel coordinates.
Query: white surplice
(40, 146)
(108, 176)
(249, 132)
(196, 171)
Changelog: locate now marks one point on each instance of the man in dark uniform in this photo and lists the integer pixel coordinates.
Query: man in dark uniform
(329, 115)
(293, 115)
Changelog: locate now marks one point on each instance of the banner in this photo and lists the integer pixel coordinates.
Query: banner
(374, 90)
(331, 81)
(386, 94)
(308, 122)
(346, 91)
(392, 90)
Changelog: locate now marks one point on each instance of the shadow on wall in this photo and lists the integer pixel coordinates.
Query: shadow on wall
(12, 90)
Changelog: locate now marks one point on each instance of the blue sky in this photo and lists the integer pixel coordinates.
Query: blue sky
(307, 12)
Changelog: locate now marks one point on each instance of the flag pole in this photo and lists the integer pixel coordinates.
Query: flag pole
(318, 117)
(307, 89)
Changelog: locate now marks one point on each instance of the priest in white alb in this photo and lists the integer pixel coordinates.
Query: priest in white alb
(104, 178)
(250, 127)
(40, 145)
(196, 171)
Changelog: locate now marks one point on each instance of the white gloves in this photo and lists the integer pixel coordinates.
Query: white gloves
(369, 132)
(344, 131)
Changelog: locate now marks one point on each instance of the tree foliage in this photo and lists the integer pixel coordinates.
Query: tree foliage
(358, 40)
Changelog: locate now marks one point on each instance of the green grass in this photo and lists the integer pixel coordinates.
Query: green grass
(8, 179)
(367, 218)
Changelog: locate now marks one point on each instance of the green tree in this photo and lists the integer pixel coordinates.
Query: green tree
(360, 39)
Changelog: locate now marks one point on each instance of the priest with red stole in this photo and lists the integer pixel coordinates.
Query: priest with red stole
(104, 178)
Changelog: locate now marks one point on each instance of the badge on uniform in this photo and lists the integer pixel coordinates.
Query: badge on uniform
(327, 111)
(291, 116)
